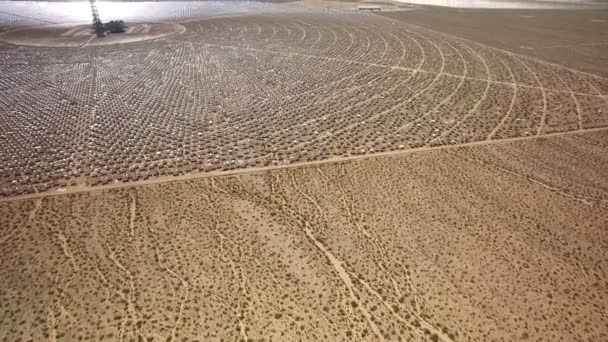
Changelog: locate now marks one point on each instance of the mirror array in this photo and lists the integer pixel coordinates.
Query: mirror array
(269, 89)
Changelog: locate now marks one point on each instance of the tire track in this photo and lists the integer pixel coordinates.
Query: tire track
(477, 104)
(441, 103)
(335, 262)
(513, 100)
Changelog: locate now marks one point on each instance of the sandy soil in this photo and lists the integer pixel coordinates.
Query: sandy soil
(574, 38)
(497, 242)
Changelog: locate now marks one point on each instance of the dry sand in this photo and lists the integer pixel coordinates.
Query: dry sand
(498, 242)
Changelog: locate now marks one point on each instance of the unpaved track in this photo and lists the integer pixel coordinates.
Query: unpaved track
(484, 242)
(80, 189)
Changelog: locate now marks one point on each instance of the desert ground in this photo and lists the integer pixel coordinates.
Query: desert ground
(498, 242)
(255, 87)
(303, 171)
(577, 39)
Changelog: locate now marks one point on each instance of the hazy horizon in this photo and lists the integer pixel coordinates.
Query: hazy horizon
(508, 4)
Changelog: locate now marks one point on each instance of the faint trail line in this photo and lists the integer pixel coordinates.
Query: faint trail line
(375, 293)
(587, 200)
(50, 323)
(302, 29)
(212, 174)
(226, 258)
(578, 106)
(184, 296)
(542, 89)
(342, 79)
(592, 142)
(345, 79)
(351, 211)
(571, 45)
(130, 297)
(424, 324)
(330, 46)
(502, 50)
(403, 82)
(382, 93)
(341, 94)
(343, 275)
(288, 31)
(513, 99)
(403, 49)
(30, 217)
(337, 264)
(443, 101)
(604, 97)
(378, 65)
(132, 217)
(338, 81)
(105, 281)
(477, 104)
(307, 196)
(66, 250)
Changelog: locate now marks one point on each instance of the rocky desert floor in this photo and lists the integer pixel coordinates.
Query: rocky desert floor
(281, 171)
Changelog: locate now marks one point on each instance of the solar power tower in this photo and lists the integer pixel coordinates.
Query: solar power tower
(98, 27)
